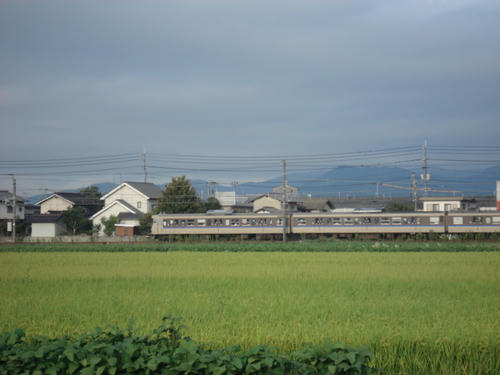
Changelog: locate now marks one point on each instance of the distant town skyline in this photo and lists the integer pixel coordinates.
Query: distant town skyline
(84, 79)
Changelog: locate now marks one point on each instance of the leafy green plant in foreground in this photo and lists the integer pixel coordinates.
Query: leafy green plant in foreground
(166, 351)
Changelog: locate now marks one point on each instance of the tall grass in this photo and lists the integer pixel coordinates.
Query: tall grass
(418, 312)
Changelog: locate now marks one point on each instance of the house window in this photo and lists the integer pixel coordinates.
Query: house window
(447, 207)
(9, 209)
(139, 204)
(435, 207)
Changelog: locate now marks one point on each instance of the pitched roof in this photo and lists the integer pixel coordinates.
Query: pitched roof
(147, 189)
(78, 199)
(310, 204)
(127, 208)
(45, 218)
(7, 195)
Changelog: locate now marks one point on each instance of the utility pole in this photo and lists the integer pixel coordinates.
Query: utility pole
(284, 202)
(376, 193)
(234, 183)
(426, 176)
(14, 207)
(414, 189)
(145, 170)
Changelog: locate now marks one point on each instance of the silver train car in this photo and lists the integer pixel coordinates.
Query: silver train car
(336, 225)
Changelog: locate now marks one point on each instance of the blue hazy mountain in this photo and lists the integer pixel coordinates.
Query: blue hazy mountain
(356, 181)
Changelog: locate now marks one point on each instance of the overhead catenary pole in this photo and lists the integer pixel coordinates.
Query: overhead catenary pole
(425, 176)
(14, 207)
(144, 166)
(284, 197)
(414, 190)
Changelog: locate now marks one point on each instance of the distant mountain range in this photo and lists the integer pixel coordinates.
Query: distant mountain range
(356, 181)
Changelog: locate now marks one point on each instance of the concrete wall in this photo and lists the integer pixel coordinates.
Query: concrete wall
(55, 204)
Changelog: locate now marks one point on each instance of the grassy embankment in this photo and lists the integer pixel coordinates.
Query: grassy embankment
(254, 246)
(418, 312)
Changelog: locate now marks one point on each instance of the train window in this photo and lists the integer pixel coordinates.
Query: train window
(235, 222)
(176, 222)
(458, 220)
(261, 222)
(329, 220)
(253, 222)
(190, 222)
(201, 222)
(385, 220)
(434, 220)
(348, 220)
(487, 220)
(496, 220)
(356, 220)
(477, 220)
(270, 221)
(404, 220)
(183, 223)
(244, 222)
(367, 220)
(301, 221)
(396, 220)
(165, 223)
(227, 222)
(337, 221)
(318, 220)
(280, 221)
(209, 222)
(376, 220)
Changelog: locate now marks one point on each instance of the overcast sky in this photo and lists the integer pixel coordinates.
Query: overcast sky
(84, 78)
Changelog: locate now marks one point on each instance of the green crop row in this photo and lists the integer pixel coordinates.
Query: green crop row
(233, 246)
(166, 351)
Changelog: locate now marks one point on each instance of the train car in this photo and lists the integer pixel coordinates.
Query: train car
(363, 223)
(472, 222)
(216, 224)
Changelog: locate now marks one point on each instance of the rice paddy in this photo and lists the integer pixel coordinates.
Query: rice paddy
(418, 312)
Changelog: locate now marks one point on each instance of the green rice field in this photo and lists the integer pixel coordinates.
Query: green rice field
(418, 312)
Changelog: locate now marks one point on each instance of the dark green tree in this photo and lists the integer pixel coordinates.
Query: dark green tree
(145, 224)
(91, 192)
(179, 197)
(212, 203)
(109, 224)
(76, 220)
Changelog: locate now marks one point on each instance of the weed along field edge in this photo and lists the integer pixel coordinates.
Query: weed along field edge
(418, 312)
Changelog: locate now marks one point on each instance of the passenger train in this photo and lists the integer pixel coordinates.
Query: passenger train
(392, 225)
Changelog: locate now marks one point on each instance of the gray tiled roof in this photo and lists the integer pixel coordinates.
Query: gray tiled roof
(45, 218)
(146, 188)
(7, 196)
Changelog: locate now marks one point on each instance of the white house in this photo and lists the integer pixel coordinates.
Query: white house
(7, 206)
(62, 201)
(441, 204)
(129, 202)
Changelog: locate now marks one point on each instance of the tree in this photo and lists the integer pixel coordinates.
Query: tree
(211, 204)
(179, 197)
(76, 221)
(91, 192)
(145, 224)
(109, 224)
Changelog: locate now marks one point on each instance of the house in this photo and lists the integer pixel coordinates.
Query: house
(47, 225)
(441, 204)
(292, 192)
(229, 200)
(7, 206)
(128, 202)
(62, 201)
(271, 201)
